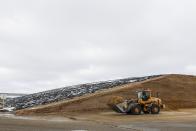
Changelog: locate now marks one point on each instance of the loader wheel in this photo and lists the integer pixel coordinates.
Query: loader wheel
(155, 109)
(136, 109)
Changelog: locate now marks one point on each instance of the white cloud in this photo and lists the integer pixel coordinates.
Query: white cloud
(190, 69)
(48, 44)
(5, 71)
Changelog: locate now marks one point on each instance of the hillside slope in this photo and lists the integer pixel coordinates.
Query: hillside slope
(176, 91)
(69, 92)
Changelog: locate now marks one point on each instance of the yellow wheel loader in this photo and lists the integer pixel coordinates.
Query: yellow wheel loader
(144, 103)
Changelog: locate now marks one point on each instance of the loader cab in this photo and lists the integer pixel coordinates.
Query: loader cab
(144, 94)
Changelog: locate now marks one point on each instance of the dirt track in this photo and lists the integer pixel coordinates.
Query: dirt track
(181, 120)
(17, 123)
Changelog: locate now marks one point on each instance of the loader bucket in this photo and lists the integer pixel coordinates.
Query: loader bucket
(117, 109)
(120, 108)
(118, 104)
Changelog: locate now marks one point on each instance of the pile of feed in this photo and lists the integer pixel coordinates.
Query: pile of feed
(114, 100)
(176, 91)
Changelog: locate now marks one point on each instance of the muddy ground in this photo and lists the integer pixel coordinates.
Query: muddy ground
(181, 120)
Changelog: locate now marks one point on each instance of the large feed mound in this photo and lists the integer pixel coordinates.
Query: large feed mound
(176, 91)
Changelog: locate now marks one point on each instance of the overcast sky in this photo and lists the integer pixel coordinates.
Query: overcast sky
(46, 44)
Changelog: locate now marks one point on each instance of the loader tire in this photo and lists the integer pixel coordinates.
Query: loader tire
(155, 109)
(136, 109)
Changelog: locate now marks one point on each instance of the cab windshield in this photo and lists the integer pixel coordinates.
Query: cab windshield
(144, 95)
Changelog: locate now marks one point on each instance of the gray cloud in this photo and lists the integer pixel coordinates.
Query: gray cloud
(45, 44)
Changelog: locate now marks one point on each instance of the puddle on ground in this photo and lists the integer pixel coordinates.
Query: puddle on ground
(158, 126)
(138, 128)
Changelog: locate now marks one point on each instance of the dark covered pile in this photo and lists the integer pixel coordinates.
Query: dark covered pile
(68, 92)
